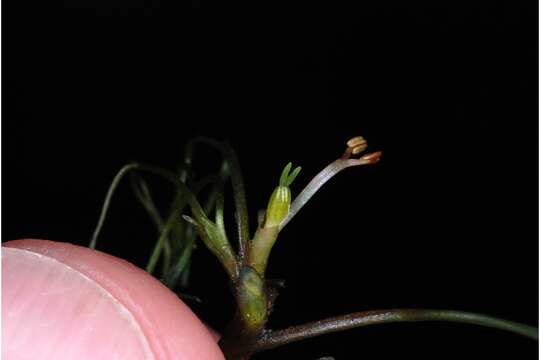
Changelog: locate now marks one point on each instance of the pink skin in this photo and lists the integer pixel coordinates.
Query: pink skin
(61, 301)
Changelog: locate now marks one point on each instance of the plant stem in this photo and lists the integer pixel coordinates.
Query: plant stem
(277, 338)
(156, 170)
(316, 183)
(179, 270)
(161, 243)
(260, 248)
(142, 192)
(240, 201)
(123, 171)
(239, 193)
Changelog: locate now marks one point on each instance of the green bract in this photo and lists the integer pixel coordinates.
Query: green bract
(280, 200)
(278, 206)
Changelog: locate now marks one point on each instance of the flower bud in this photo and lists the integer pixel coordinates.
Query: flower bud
(268, 230)
(278, 206)
(280, 201)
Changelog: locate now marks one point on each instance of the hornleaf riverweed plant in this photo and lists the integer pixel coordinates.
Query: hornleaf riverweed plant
(246, 263)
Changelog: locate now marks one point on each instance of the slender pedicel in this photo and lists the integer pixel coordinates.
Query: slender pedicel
(355, 146)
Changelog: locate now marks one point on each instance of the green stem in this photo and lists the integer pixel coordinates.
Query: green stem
(123, 171)
(161, 242)
(237, 181)
(260, 248)
(219, 196)
(178, 270)
(274, 339)
(142, 192)
(156, 170)
(239, 198)
(195, 206)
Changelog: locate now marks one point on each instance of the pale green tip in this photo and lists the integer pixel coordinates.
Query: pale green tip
(287, 177)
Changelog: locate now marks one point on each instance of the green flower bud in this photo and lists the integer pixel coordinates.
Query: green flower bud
(278, 206)
(280, 201)
(269, 226)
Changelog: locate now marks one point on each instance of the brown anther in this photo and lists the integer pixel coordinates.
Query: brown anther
(356, 142)
(358, 149)
(372, 158)
(354, 147)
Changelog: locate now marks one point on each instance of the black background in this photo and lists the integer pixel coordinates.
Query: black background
(447, 219)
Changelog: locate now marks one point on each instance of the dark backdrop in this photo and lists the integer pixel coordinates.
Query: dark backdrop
(448, 219)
